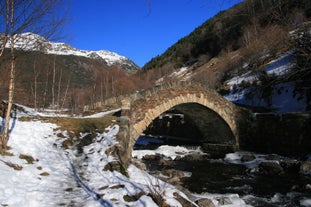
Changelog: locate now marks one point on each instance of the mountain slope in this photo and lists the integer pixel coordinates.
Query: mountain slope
(34, 42)
(262, 62)
(229, 31)
(57, 75)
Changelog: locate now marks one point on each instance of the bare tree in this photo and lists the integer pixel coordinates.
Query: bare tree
(17, 17)
(36, 74)
(53, 82)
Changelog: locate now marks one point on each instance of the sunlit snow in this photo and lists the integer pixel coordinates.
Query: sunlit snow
(59, 177)
(34, 42)
(284, 97)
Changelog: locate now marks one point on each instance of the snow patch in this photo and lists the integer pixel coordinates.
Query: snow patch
(33, 42)
(306, 202)
(166, 150)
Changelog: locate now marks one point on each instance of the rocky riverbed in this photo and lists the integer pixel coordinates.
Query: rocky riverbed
(257, 179)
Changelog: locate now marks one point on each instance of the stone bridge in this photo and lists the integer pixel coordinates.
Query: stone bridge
(219, 122)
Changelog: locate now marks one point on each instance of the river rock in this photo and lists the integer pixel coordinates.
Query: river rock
(305, 167)
(194, 157)
(224, 201)
(67, 143)
(248, 157)
(270, 168)
(205, 202)
(139, 164)
(273, 157)
(173, 173)
(174, 176)
(151, 157)
(166, 163)
(291, 165)
(183, 201)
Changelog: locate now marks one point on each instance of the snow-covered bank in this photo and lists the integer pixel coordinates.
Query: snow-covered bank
(42, 182)
(42, 173)
(278, 94)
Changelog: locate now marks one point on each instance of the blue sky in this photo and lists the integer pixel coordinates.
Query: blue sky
(137, 29)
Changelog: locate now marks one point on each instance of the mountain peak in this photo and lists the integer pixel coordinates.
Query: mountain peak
(34, 42)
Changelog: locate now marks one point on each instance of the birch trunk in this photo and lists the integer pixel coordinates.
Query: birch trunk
(5, 135)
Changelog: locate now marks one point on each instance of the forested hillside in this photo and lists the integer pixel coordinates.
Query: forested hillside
(65, 81)
(243, 33)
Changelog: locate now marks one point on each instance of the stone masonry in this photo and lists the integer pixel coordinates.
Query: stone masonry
(148, 105)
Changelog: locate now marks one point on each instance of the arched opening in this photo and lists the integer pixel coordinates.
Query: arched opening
(189, 124)
(181, 141)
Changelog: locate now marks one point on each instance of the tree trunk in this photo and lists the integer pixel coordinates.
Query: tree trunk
(35, 83)
(5, 135)
(65, 96)
(45, 90)
(53, 83)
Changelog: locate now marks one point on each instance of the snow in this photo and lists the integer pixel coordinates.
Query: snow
(233, 200)
(305, 202)
(111, 57)
(102, 114)
(284, 96)
(151, 182)
(246, 77)
(179, 73)
(279, 66)
(166, 150)
(61, 176)
(33, 42)
(235, 158)
(28, 187)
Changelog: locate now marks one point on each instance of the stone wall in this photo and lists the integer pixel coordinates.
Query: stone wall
(286, 134)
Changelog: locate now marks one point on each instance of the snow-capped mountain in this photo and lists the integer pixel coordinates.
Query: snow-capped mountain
(33, 42)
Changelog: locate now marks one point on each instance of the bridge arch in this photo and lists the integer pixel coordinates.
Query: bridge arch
(151, 105)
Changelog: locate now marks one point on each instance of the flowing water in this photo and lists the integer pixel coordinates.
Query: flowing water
(223, 174)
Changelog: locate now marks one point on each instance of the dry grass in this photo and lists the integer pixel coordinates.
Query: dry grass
(12, 165)
(84, 125)
(77, 125)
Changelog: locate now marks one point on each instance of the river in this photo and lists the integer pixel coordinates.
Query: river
(226, 176)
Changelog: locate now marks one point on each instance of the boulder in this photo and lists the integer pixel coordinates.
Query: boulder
(174, 176)
(166, 163)
(151, 157)
(224, 201)
(305, 167)
(139, 164)
(270, 168)
(273, 157)
(248, 157)
(173, 173)
(291, 165)
(183, 201)
(205, 202)
(194, 157)
(67, 143)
